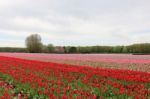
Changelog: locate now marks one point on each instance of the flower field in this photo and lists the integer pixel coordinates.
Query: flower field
(113, 61)
(33, 79)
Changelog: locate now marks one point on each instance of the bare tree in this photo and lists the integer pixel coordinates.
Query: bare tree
(33, 43)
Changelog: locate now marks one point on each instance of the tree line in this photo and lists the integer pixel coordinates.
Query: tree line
(34, 45)
(143, 48)
(12, 49)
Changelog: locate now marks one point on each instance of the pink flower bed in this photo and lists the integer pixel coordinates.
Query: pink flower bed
(111, 58)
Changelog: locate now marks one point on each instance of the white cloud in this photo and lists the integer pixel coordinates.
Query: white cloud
(11, 43)
(75, 22)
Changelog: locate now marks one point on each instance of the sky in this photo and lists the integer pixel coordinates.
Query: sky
(75, 22)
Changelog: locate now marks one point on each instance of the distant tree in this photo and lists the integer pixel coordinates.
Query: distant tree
(66, 49)
(72, 50)
(143, 48)
(12, 49)
(124, 50)
(44, 49)
(50, 48)
(117, 49)
(95, 49)
(34, 44)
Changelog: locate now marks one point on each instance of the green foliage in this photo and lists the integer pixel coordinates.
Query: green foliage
(140, 48)
(135, 48)
(34, 44)
(72, 50)
(1, 91)
(21, 87)
(117, 49)
(124, 50)
(12, 49)
(50, 48)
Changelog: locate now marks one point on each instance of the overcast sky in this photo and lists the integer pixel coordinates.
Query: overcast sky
(75, 22)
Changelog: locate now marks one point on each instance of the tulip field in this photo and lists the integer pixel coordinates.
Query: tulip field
(74, 76)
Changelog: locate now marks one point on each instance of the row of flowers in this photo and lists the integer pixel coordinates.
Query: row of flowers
(112, 58)
(58, 81)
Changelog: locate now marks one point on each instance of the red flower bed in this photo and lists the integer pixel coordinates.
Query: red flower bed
(68, 81)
